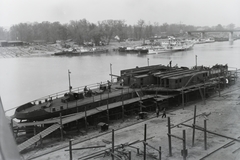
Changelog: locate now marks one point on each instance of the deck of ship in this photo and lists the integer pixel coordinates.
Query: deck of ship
(57, 103)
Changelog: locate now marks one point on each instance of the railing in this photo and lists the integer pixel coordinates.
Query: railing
(77, 90)
(93, 87)
(98, 98)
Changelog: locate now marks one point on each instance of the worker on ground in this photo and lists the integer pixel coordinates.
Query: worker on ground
(226, 82)
(157, 111)
(164, 113)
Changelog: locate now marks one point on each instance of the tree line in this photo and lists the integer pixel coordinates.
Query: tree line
(103, 31)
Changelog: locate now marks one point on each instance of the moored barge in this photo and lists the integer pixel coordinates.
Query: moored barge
(155, 80)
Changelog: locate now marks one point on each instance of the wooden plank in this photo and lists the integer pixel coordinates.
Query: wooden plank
(215, 150)
(213, 133)
(36, 138)
(87, 147)
(175, 136)
(236, 150)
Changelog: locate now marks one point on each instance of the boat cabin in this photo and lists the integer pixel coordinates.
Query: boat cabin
(71, 96)
(181, 78)
(141, 76)
(169, 77)
(187, 80)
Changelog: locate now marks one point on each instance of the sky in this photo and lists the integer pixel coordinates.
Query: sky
(189, 12)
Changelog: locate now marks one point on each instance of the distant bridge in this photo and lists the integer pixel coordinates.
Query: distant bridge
(230, 31)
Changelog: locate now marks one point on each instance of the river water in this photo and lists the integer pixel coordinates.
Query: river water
(27, 78)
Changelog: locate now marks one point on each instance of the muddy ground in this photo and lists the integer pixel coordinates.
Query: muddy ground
(221, 112)
(50, 49)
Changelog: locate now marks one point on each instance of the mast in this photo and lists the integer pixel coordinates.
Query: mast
(70, 87)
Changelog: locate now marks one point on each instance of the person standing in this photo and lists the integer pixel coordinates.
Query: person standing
(109, 85)
(85, 89)
(157, 112)
(157, 109)
(164, 113)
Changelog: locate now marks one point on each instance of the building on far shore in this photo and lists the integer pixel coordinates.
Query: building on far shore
(39, 42)
(3, 43)
(10, 43)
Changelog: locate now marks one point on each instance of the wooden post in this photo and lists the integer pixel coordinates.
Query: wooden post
(70, 87)
(157, 109)
(160, 153)
(34, 130)
(196, 60)
(70, 149)
(112, 144)
(140, 106)
(133, 90)
(169, 138)
(138, 152)
(182, 98)
(145, 137)
(129, 155)
(184, 146)
(160, 82)
(194, 121)
(78, 128)
(204, 93)
(61, 127)
(111, 72)
(236, 75)
(41, 141)
(224, 80)
(205, 134)
(187, 98)
(219, 87)
(108, 108)
(122, 111)
(122, 107)
(86, 123)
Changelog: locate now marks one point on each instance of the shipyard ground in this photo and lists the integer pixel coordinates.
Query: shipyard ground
(222, 114)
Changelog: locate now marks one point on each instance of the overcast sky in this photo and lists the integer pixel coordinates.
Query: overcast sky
(190, 12)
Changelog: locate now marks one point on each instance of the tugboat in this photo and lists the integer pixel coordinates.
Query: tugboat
(141, 50)
(69, 52)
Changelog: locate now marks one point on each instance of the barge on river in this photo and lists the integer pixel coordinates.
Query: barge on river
(156, 81)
